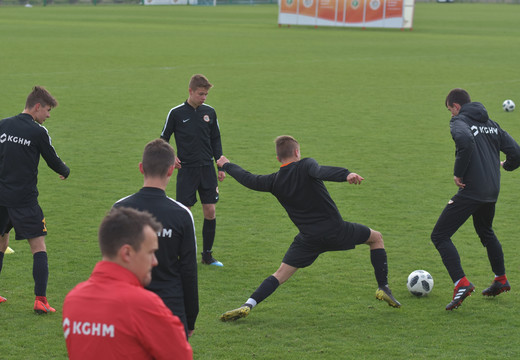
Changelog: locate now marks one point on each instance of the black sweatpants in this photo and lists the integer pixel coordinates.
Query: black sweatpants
(454, 215)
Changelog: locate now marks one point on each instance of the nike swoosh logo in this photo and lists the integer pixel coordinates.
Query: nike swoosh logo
(185, 120)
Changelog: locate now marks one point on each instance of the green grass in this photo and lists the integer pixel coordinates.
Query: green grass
(370, 100)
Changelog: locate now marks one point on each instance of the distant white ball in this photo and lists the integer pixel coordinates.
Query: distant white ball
(508, 105)
(420, 283)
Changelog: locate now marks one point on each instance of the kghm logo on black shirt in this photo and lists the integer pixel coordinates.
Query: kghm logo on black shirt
(14, 139)
(165, 233)
(483, 130)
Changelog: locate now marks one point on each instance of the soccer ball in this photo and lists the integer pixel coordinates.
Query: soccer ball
(508, 105)
(420, 283)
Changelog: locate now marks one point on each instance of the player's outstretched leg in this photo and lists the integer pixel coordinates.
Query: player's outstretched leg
(385, 294)
(236, 314)
(498, 286)
(462, 290)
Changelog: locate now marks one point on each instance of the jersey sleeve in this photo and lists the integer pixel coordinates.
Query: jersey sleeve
(465, 145)
(326, 173)
(251, 181)
(512, 150)
(188, 271)
(50, 156)
(216, 142)
(169, 126)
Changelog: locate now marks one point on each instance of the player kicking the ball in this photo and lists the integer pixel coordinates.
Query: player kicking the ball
(299, 188)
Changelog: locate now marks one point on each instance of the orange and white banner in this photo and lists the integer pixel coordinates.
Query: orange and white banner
(166, 2)
(352, 13)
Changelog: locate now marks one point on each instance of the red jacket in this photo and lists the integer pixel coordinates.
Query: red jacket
(111, 316)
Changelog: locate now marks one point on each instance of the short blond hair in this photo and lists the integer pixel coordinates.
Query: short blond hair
(199, 81)
(285, 146)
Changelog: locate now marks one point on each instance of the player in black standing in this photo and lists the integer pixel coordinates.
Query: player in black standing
(22, 140)
(299, 188)
(197, 136)
(175, 278)
(478, 141)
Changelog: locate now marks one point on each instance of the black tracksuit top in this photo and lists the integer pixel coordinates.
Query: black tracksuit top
(197, 134)
(22, 141)
(479, 141)
(176, 274)
(299, 188)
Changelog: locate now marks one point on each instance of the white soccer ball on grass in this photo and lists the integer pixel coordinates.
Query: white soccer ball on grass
(508, 105)
(420, 283)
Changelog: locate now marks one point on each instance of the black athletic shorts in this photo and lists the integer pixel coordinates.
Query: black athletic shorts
(303, 252)
(28, 222)
(192, 179)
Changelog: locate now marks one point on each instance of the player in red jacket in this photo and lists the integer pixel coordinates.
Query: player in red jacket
(111, 315)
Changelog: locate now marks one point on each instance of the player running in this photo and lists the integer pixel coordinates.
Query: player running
(299, 188)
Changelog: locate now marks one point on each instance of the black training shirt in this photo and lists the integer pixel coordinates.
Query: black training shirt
(479, 141)
(197, 134)
(299, 188)
(22, 141)
(176, 274)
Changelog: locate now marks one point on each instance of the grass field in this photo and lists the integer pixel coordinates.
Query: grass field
(370, 100)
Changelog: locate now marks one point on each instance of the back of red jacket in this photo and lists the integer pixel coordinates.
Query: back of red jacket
(111, 316)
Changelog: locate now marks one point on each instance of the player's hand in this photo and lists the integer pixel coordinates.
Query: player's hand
(177, 163)
(190, 333)
(222, 161)
(221, 175)
(354, 178)
(458, 182)
(502, 163)
(61, 176)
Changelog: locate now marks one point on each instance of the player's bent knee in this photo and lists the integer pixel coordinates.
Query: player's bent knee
(437, 239)
(375, 240)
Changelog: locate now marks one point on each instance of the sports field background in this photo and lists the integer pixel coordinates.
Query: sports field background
(371, 100)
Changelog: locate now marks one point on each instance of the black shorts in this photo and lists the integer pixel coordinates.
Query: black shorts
(303, 252)
(28, 222)
(192, 179)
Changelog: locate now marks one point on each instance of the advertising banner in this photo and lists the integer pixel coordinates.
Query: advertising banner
(352, 13)
(166, 2)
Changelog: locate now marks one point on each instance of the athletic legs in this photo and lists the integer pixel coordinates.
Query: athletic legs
(208, 235)
(40, 265)
(483, 223)
(456, 212)
(378, 257)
